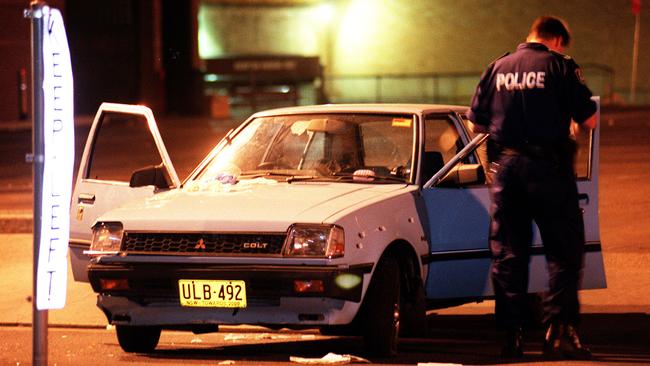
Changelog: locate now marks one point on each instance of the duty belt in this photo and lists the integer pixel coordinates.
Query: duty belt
(535, 151)
(560, 151)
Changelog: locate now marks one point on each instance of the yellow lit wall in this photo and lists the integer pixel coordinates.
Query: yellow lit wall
(376, 37)
(241, 30)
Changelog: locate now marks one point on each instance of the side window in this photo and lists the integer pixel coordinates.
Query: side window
(120, 132)
(481, 151)
(583, 157)
(441, 143)
(440, 135)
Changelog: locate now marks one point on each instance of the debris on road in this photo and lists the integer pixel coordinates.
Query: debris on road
(329, 359)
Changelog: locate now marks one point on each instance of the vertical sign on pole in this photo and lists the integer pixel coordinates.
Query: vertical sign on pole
(53, 157)
(59, 159)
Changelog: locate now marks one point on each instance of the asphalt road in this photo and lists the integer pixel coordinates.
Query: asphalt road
(616, 323)
(615, 339)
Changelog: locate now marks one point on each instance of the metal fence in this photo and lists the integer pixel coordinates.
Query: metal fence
(440, 88)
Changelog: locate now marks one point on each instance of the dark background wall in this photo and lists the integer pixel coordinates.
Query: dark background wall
(180, 57)
(15, 51)
(104, 49)
(126, 51)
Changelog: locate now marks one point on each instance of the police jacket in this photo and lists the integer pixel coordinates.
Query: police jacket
(530, 96)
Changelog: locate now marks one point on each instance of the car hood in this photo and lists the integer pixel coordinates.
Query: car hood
(262, 205)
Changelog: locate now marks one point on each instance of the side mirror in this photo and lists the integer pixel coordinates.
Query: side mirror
(463, 174)
(154, 175)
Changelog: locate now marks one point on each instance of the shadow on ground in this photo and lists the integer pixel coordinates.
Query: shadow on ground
(463, 339)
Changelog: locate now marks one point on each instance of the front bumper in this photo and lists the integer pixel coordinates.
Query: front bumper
(265, 284)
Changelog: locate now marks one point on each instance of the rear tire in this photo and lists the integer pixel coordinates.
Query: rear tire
(381, 310)
(137, 339)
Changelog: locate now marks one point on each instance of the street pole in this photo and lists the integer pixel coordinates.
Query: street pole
(635, 57)
(39, 317)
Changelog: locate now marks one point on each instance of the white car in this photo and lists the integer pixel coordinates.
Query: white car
(351, 218)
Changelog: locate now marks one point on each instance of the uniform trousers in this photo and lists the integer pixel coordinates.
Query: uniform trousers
(527, 188)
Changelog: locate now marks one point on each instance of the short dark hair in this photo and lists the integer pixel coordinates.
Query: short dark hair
(548, 26)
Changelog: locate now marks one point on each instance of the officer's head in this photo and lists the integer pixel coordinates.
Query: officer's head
(552, 31)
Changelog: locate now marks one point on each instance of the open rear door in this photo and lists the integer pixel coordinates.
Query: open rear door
(122, 140)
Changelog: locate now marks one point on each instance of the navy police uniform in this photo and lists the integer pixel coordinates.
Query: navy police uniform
(527, 100)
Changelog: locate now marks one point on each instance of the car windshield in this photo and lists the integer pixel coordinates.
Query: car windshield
(374, 148)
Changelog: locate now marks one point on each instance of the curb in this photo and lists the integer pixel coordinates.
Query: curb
(16, 226)
(243, 328)
(55, 325)
(16, 222)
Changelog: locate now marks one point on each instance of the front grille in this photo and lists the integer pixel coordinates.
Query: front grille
(206, 243)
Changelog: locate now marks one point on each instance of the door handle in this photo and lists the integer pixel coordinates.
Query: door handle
(86, 198)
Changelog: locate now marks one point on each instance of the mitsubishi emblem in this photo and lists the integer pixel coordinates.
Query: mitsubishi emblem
(200, 244)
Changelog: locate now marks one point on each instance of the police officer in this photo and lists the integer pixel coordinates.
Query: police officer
(527, 101)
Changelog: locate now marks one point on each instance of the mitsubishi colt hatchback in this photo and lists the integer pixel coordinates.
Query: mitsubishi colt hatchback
(354, 219)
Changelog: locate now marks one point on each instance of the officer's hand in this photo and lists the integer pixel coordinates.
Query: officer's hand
(476, 128)
(574, 129)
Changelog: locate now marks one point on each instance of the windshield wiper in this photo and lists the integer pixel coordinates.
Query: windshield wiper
(346, 176)
(290, 177)
(300, 178)
(370, 178)
(265, 174)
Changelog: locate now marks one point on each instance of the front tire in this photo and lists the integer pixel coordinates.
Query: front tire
(413, 310)
(381, 310)
(137, 339)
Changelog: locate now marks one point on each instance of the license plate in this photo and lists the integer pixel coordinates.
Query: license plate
(212, 293)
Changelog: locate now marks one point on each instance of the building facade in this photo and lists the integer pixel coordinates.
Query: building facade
(154, 51)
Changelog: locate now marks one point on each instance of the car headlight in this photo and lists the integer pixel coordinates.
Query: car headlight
(107, 238)
(305, 240)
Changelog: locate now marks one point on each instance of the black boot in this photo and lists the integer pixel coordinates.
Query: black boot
(514, 346)
(562, 342)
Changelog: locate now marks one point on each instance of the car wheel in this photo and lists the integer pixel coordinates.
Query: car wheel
(137, 339)
(382, 310)
(413, 311)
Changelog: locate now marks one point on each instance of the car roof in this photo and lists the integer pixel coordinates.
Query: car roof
(365, 108)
